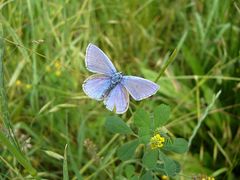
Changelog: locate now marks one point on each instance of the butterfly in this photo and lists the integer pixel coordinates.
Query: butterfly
(111, 86)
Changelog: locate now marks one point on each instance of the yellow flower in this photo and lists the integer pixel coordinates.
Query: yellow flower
(48, 68)
(157, 141)
(164, 177)
(58, 73)
(28, 86)
(57, 65)
(18, 83)
(210, 178)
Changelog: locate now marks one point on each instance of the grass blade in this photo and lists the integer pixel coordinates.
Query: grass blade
(65, 164)
(170, 60)
(220, 148)
(202, 118)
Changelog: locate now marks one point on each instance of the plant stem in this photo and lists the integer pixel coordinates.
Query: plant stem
(170, 60)
(202, 118)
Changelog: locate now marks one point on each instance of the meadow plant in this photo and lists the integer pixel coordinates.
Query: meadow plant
(149, 143)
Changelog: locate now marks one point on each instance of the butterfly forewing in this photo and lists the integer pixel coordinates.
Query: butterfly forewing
(97, 62)
(96, 85)
(117, 99)
(139, 88)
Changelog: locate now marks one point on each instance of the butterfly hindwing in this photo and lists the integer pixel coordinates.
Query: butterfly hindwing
(96, 85)
(139, 88)
(98, 62)
(117, 99)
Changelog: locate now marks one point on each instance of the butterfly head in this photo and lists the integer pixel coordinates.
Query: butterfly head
(116, 78)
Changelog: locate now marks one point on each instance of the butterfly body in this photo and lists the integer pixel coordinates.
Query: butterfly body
(116, 78)
(111, 86)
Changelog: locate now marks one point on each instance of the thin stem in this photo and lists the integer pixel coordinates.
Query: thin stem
(170, 60)
(202, 118)
(197, 99)
(84, 168)
(227, 78)
(220, 148)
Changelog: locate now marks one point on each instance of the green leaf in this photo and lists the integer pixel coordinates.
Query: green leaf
(54, 155)
(129, 170)
(150, 159)
(126, 151)
(134, 178)
(160, 169)
(115, 124)
(141, 119)
(147, 176)
(179, 145)
(161, 115)
(144, 135)
(178, 167)
(171, 167)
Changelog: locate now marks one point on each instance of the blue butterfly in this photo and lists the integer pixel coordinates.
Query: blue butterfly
(112, 86)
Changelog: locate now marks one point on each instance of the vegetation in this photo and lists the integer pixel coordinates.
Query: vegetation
(51, 130)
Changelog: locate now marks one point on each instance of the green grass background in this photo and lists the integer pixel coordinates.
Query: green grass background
(138, 36)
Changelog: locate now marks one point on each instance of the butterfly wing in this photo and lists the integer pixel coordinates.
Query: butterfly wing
(96, 85)
(96, 61)
(118, 98)
(139, 88)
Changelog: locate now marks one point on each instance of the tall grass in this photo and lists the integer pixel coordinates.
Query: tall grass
(45, 44)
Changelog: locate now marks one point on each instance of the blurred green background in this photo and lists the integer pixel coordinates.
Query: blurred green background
(45, 43)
